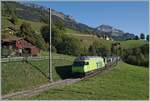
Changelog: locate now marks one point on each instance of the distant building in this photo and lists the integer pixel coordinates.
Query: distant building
(112, 39)
(107, 38)
(19, 46)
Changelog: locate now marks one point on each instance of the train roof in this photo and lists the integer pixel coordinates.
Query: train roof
(87, 58)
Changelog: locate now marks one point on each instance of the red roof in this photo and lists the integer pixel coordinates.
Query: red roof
(20, 42)
(24, 44)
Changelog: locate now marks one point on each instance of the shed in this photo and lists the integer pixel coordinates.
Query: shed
(15, 43)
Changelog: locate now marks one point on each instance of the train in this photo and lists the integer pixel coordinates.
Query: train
(86, 64)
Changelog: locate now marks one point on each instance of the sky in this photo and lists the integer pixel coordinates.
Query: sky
(128, 16)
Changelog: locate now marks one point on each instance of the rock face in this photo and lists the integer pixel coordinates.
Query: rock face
(117, 34)
(109, 30)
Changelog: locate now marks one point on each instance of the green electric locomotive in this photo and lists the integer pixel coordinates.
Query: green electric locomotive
(86, 64)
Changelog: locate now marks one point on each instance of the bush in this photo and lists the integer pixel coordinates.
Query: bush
(147, 37)
(131, 59)
(92, 50)
(29, 34)
(98, 49)
(13, 19)
(40, 41)
(56, 36)
(142, 36)
(5, 52)
(137, 56)
(53, 49)
(45, 33)
(70, 46)
(136, 37)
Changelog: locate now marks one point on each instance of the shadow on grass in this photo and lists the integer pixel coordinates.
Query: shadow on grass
(64, 71)
(36, 67)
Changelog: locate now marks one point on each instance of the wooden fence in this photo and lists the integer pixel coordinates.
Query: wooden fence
(10, 59)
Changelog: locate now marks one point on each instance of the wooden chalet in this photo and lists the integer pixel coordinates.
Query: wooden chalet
(19, 46)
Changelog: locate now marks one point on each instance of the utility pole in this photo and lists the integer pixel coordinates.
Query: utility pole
(50, 44)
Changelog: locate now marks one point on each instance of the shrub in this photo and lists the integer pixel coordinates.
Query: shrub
(5, 52)
(53, 49)
(70, 46)
(13, 19)
(137, 56)
(45, 33)
(98, 49)
(142, 36)
(147, 37)
(29, 34)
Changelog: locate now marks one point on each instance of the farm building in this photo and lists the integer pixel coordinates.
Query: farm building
(19, 46)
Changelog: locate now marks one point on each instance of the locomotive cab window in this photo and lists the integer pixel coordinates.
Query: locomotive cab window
(78, 63)
(86, 63)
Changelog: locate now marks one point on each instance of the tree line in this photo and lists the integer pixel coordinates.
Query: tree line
(142, 36)
(64, 44)
(135, 56)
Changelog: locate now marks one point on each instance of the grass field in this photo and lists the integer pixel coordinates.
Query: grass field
(126, 82)
(132, 43)
(71, 31)
(35, 25)
(88, 40)
(21, 75)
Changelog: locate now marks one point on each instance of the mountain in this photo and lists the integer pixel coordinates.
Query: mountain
(109, 29)
(70, 22)
(116, 34)
(36, 13)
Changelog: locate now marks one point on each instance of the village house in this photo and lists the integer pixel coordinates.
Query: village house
(19, 46)
(107, 38)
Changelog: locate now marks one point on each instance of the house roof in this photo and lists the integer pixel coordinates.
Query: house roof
(26, 44)
(23, 43)
(11, 39)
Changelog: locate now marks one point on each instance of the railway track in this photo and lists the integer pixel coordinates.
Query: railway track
(45, 87)
(41, 88)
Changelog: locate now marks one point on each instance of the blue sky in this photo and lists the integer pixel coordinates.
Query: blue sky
(128, 16)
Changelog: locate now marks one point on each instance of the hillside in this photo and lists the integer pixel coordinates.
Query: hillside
(35, 25)
(33, 73)
(132, 43)
(89, 39)
(37, 13)
(119, 83)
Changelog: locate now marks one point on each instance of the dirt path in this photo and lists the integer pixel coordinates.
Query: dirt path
(41, 88)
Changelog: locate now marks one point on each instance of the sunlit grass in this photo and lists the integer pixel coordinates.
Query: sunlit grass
(122, 82)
